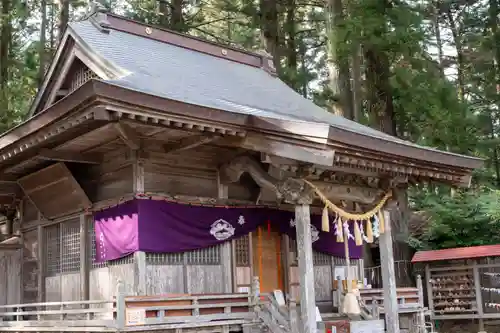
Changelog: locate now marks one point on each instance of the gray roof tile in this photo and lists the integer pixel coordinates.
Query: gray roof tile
(188, 76)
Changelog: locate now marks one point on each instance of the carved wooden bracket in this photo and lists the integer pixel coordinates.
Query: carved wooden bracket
(291, 190)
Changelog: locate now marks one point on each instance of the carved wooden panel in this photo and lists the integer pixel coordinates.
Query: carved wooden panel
(54, 191)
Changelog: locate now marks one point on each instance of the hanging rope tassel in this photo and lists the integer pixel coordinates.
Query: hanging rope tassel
(269, 227)
(357, 234)
(340, 233)
(325, 224)
(369, 231)
(381, 226)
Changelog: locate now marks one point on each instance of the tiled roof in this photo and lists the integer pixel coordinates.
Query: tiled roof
(458, 253)
(192, 77)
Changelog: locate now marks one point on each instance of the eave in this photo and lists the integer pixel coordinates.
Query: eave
(99, 103)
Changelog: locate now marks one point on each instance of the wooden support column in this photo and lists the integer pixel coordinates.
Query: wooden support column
(227, 253)
(140, 269)
(479, 295)
(306, 268)
(389, 277)
(42, 262)
(84, 257)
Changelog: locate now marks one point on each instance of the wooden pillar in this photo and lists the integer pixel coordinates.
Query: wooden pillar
(42, 262)
(227, 253)
(306, 268)
(84, 257)
(140, 287)
(389, 278)
(479, 295)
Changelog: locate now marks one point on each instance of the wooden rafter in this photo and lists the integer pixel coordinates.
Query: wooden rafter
(190, 142)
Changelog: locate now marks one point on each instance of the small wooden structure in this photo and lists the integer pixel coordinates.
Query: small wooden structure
(462, 283)
(130, 115)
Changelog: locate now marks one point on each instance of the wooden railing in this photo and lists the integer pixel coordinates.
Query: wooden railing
(57, 316)
(133, 313)
(402, 270)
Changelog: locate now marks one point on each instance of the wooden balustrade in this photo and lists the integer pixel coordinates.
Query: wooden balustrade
(133, 313)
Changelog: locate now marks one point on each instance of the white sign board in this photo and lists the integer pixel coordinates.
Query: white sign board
(280, 299)
(367, 326)
(243, 289)
(135, 317)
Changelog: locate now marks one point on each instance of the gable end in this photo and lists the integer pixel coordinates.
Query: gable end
(73, 65)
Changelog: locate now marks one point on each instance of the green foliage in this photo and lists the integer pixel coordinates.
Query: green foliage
(468, 218)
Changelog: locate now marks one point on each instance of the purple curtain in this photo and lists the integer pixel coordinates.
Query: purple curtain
(162, 227)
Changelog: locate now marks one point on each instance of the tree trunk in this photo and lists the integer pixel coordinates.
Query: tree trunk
(437, 33)
(291, 45)
(381, 107)
(63, 17)
(269, 26)
(177, 17)
(380, 103)
(357, 91)
(457, 39)
(342, 103)
(43, 41)
(164, 13)
(5, 42)
(494, 11)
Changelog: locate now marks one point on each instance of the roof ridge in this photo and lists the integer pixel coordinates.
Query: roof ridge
(105, 21)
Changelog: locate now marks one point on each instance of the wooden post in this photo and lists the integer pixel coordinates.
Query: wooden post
(42, 262)
(84, 258)
(228, 262)
(479, 296)
(120, 306)
(139, 256)
(306, 268)
(421, 315)
(420, 288)
(140, 273)
(388, 277)
(430, 299)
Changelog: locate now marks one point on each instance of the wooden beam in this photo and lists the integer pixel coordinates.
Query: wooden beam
(7, 200)
(128, 135)
(190, 142)
(389, 277)
(320, 155)
(4, 178)
(54, 155)
(306, 268)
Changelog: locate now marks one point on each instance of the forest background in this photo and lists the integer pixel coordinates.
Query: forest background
(427, 71)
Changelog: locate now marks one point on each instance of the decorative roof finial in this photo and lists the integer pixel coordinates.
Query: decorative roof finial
(267, 62)
(98, 16)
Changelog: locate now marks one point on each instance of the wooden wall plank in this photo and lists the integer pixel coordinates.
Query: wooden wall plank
(163, 279)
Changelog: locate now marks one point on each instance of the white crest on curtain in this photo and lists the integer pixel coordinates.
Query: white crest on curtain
(221, 229)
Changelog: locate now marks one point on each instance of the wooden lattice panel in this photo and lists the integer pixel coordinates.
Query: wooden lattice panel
(82, 75)
(54, 191)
